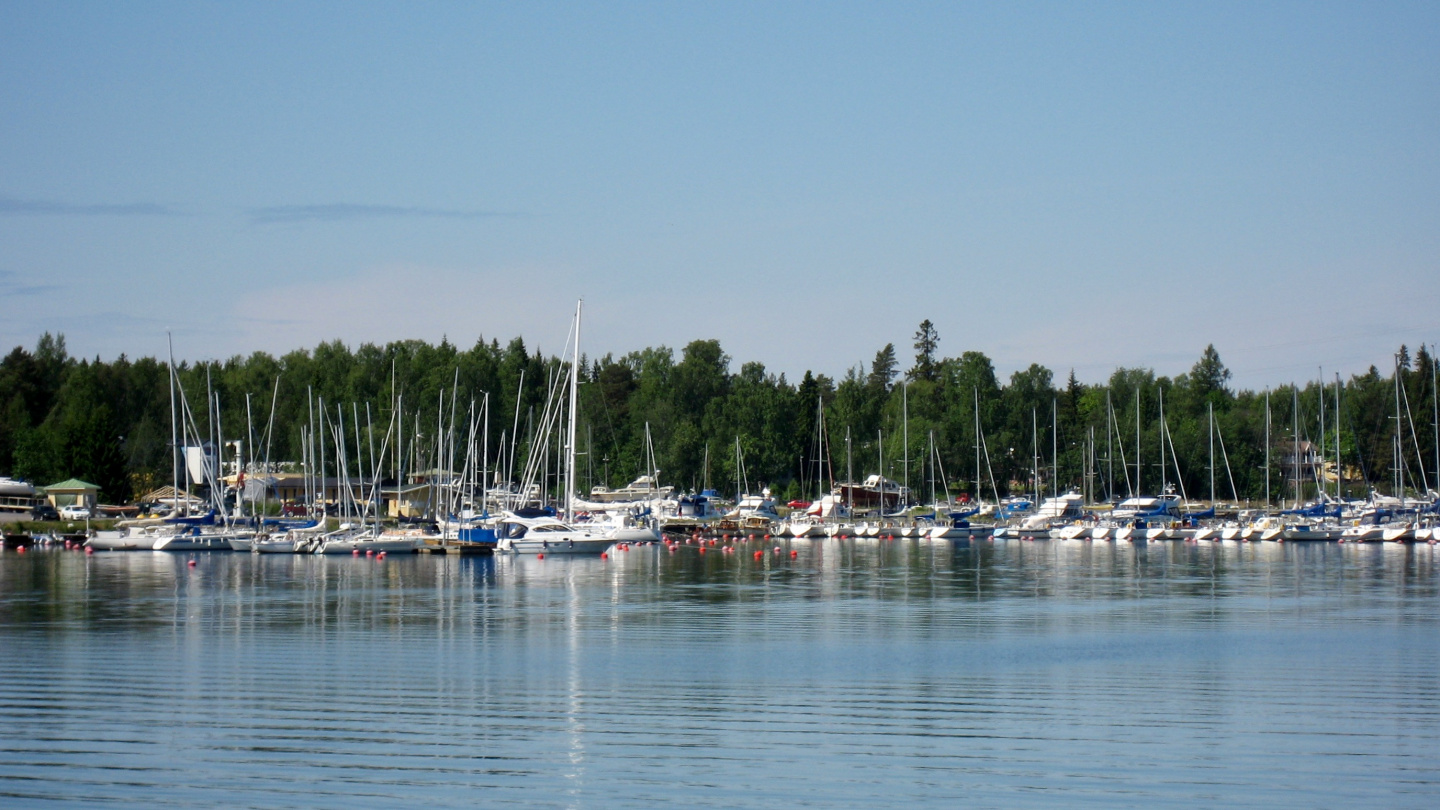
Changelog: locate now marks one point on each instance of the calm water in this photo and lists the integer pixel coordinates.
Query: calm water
(1011, 674)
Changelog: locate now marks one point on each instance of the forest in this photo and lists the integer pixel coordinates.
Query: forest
(110, 422)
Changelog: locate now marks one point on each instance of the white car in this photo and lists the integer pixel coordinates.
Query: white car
(74, 513)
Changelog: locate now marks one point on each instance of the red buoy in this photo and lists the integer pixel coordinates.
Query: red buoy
(604, 556)
(89, 550)
(354, 552)
(777, 549)
(380, 556)
(758, 554)
(794, 554)
(540, 556)
(191, 563)
(702, 549)
(369, 552)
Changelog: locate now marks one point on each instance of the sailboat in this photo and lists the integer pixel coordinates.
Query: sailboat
(526, 531)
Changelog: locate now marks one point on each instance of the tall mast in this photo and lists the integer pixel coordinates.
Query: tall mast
(1320, 474)
(174, 439)
(1400, 447)
(1139, 478)
(932, 469)
(1339, 470)
(514, 436)
(1295, 419)
(905, 430)
(977, 444)
(485, 460)
(249, 442)
(1267, 448)
(1035, 452)
(1054, 448)
(574, 400)
(1163, 478)
(1211, 409)
(820, 445)
(1109, 448)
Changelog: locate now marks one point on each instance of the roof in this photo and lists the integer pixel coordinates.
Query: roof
(72, 483)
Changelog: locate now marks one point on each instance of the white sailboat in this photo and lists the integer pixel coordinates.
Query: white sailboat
(520, 532)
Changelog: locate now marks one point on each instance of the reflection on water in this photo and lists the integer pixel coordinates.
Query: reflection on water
(857, 674)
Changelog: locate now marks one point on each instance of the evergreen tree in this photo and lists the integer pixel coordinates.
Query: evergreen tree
(927, 341)
(884, 367)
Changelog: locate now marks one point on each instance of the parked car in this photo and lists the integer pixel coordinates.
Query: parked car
(74, 513)
(44, 512)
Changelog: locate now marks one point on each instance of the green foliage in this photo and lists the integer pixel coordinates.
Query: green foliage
(110, 423)
(927, 342)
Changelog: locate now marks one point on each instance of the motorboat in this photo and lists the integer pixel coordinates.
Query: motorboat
(547, 535)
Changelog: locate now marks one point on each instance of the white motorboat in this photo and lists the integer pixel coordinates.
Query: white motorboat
(127, 539)
(547, 535)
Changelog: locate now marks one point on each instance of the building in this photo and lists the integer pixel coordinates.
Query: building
(73, 492)
(1300, 460)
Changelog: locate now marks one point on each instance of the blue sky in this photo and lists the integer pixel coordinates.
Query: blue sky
(1080, 185)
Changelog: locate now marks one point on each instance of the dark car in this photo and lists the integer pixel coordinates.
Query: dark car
(44, 512)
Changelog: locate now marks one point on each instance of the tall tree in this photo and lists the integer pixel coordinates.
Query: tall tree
(884, 367)
(927, 341)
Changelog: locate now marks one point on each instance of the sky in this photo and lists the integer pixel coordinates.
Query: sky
(1082, 185)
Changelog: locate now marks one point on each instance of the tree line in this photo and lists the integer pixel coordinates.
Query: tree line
(110, 422)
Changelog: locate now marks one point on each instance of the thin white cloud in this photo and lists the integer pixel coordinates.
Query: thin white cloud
(345, 212)
(11, 206)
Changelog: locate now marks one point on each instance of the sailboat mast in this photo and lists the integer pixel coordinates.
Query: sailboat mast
(849, 475)
(1295, 420)
(1339, 471)
(1109, 448)
(1139, 478)
(932, 468)
(1035, 452)
(1163, 478)
(1320, 473)
(1267, 448)
(574, 401)
(905, 431)
(1400, 447)
(174, 439)
(977, 444)
(1054, 448)
(485, 459)
(1211, 410)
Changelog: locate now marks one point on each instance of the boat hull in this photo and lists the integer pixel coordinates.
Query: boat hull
(590, 545)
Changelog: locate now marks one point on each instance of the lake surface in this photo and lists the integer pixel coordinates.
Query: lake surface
(1007, 674)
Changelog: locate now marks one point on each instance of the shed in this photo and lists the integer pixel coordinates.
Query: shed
(73, 492)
